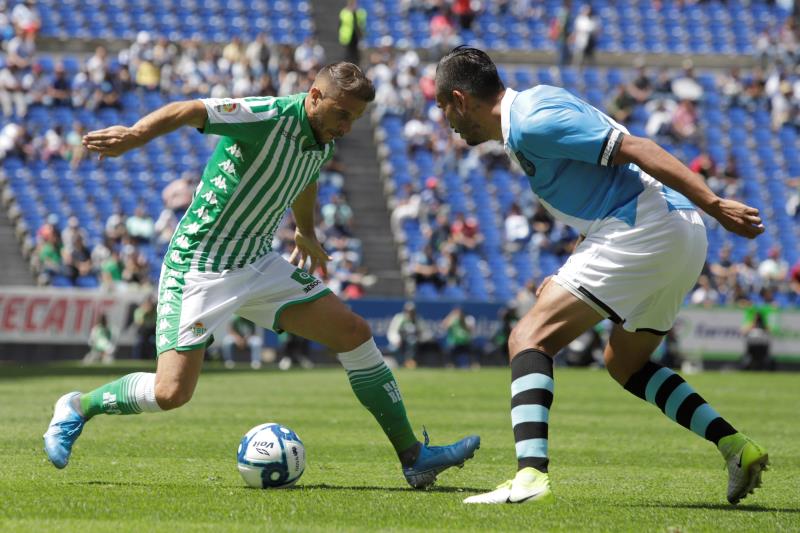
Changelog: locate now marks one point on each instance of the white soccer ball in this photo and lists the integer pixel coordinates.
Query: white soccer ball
(271, 456)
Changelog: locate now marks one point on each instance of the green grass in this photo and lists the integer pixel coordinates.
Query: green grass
(617, 463)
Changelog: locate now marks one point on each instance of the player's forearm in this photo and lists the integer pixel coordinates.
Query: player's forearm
(169, 118)
(303, 209)
(664, 167)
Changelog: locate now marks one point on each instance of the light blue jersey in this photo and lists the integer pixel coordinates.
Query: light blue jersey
(566, 148)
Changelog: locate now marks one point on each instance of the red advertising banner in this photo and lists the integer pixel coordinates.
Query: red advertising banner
(63, 316)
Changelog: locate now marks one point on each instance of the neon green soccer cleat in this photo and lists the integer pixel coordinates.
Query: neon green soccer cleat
(529, 485)
(745, 461)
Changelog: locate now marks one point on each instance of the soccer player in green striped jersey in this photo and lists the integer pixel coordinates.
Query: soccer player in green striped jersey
(220, 262)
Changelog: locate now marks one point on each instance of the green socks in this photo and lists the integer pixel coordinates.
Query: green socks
(375, 387)
(129, 395)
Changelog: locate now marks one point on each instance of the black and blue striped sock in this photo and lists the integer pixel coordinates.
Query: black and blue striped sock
(531, 398)
(677, 399)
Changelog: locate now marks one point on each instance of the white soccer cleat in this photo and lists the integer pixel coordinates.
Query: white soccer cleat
(529, 485)
(745, 461)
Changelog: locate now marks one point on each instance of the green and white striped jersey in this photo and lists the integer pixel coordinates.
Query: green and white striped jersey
(266, 157)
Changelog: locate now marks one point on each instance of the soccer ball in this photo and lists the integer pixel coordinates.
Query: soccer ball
(271, 456)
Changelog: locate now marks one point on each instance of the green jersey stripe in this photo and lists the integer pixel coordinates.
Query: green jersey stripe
(275, 221)
(246, 185)
(270, 218)
(248, 207)
(260, 214)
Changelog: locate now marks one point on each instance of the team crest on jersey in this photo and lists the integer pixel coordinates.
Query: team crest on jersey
(198, 329)
(228, 107)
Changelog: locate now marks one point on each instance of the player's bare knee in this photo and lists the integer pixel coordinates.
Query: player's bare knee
(172, 395)
(520, 340)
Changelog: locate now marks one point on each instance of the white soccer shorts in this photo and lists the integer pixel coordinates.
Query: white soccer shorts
(638, 276)
(191, 305)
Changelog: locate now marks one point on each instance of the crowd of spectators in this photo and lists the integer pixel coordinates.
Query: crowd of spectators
(130, 249)
(670, 102)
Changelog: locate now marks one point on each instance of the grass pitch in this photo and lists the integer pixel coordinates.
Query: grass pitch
(617, 464)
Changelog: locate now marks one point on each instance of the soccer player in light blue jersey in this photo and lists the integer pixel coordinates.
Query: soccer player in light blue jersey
(643, 246)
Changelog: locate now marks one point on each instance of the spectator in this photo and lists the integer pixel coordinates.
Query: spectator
(684, 121)
(773, 270)
(352, 29)
(97, 65)
(724, 271)
(561, 32)
(660, 120)
(108, 94)
(71, 234)
(49, 256)
(587, 27)
(337, 216)
(641, 88)
(101, 345)
(524, 299)
(78, 260)
(460, 330)
(111, 270)
(258, 54)
(242, 333)
(21, 50)
(74, 151)
(37, 86)
(704, 165)
(463, 10)
(59, 91)
(115, 224)
(405, 333)
(53, 144)
(443, 30)
(406, 208)
(293, 351)
(517, 229)
(140, 226)
(760, 322)
(496, 352)
(26, 18)
(12, 93)
(621, 104)
(144, 318)
(465, 233)
(685, 86)
(309, 55)
(704, 294)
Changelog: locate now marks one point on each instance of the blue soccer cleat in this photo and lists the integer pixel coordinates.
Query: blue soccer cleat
(65, 427)
(433, 460)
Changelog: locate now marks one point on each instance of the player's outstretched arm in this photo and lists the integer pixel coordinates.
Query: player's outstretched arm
(734, 216)
(116, 140)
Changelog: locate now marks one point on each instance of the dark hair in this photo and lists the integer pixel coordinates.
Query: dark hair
(470, 70)
(348, 78)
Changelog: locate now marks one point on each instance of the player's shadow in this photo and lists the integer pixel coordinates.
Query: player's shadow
(304, 486)
(363, 488)
(721, 507)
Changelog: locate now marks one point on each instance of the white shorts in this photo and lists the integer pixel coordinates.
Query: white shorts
(192, 304)
(638, 276)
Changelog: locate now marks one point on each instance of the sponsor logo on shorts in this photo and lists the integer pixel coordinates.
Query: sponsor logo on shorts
(308, 288)
(198, 329)
(302, 277)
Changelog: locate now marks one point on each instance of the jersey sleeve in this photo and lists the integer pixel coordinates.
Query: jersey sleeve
(565, 132)
(244, 119)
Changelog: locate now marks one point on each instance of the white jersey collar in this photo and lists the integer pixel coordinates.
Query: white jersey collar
(505, 113)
